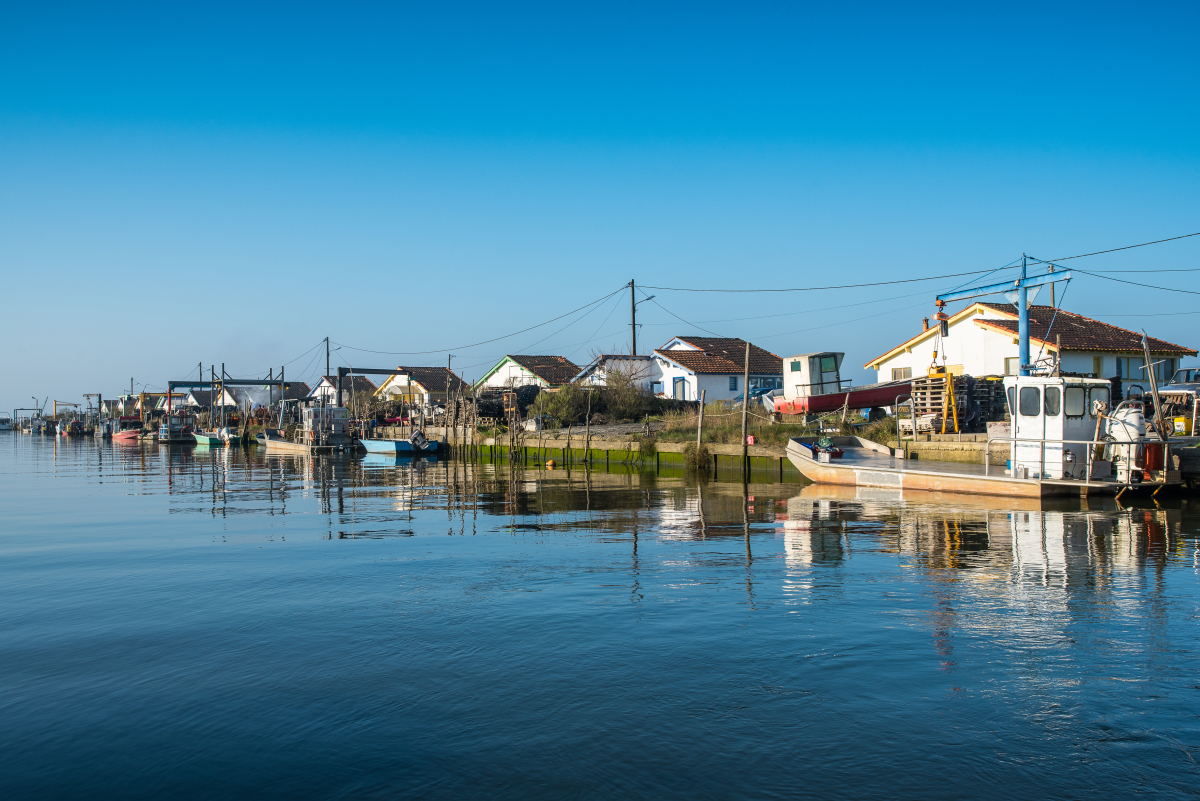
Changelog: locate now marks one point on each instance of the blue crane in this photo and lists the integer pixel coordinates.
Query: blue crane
(1017, 293)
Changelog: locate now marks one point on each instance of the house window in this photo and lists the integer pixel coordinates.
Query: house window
(656, 388)
(1012, 365)
(733, 383)
(901, 373)
(679, 389)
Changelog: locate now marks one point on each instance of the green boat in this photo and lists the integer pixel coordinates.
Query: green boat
(207, 439)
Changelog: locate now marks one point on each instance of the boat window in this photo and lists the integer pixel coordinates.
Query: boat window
(1031, 401)
(797, 367)
(1101, 394)
(1053, 401)
(1075, 400)
(828, 364)
(1012, 400)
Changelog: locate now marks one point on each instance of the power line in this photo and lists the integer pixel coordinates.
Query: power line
(1135, 283)
(486, 341)
(1127, 247)
(673, 314)
(819, 288)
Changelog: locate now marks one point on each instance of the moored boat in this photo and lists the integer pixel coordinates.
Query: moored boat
(417, 444)
(177, 428)
(208, 438)
(324, 429)
(812, 384)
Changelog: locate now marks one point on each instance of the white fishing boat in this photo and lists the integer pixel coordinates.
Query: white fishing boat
(6, 422)
(1063, 440)
(323, 429)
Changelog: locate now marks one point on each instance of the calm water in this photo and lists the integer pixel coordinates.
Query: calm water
(190, 623)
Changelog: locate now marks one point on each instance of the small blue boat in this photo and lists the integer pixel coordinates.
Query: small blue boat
(399, 446)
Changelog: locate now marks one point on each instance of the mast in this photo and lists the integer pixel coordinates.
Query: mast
(632, 321)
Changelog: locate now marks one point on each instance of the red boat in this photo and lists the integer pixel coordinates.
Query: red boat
(812, 384)
(128, 428)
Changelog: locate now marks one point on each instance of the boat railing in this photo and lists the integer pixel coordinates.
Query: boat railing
(1089, 459)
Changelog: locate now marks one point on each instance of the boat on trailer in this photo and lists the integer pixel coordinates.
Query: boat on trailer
(812, 384)
(1063, 440)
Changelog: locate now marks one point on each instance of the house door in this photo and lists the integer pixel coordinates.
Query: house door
(679, 389)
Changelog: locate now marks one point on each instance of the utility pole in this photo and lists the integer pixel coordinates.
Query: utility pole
(632, 321)
(745, 409)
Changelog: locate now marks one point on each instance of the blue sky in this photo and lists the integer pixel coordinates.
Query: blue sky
(186, 183)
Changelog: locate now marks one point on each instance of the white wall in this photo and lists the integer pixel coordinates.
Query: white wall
(512, 374)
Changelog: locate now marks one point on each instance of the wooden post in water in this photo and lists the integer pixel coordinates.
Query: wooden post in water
(745, 409)
(700, 426)
(587, 431)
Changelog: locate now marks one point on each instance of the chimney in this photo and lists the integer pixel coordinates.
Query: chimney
(925, 323)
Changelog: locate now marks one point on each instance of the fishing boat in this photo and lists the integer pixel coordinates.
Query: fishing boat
(414, 445)
(812, 384)
(6, 423)
(177, 428)
(323, 429)
(128, 429)
(70, 428)
(1063, 441)
(208, 438)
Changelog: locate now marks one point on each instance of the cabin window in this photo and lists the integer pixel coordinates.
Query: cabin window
(828, 364)
(1012, 400)
(1031, 401)
(797, 367)
(1012, 365)
(733, 383)
(1053, 401)
(1099, 394)
(1075, 401)
(901, 373)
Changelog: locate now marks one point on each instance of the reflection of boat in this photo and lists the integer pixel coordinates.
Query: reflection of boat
(374, 460)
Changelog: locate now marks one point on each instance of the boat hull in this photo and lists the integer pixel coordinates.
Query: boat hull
(394, 446)
(862, 398)
(868, 464)
(132, 435)
(209, 440)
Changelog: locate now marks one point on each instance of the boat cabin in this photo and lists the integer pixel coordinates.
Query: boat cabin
(812, 374)
(177, 427)
(324, 423)
(1045, 411)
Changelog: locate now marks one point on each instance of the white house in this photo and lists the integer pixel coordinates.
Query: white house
(519, 371)
(352, 386)
(714, 365)
(645, 371)
(421, 385)
(982, 340)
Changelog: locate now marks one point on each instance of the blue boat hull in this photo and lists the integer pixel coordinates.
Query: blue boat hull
(402, 446)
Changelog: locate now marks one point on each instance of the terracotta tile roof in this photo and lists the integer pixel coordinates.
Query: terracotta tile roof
(434, 378)
(725, 356)
(1077, 332)
(554, 370)
(296, 390)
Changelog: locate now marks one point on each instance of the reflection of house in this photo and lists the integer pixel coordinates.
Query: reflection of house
(983, 341)
(422, 385)
(352, 386)
(714, 365)
(643, 371)
(541, 371)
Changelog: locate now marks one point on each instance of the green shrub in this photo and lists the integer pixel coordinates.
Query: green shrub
(647, 448)
(697, 458)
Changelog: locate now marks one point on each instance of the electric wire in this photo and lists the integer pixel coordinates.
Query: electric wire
(819, 288)
(1127, 247)
(676, 316)
(486, 341)
(1135, 283)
